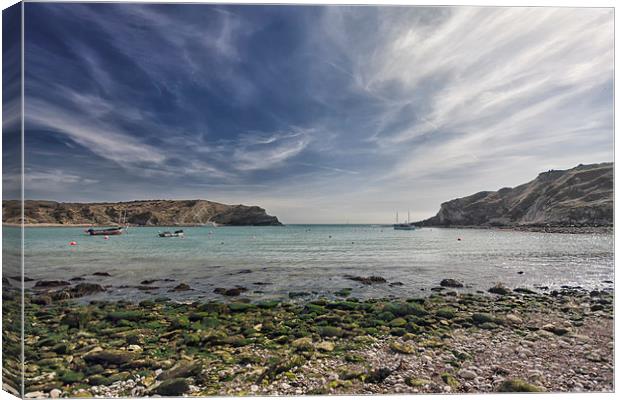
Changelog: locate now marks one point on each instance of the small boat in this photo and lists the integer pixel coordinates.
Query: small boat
(405, 226)
(104, 231)
(118, 230)
(168, 234)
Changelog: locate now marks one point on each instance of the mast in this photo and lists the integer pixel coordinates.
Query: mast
(408, 218)
(396, 216)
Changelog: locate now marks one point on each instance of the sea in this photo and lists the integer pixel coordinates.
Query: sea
(308, 261)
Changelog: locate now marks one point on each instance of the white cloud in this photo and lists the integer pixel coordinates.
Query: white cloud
(257, 152)
(100, 137)
(486, 83)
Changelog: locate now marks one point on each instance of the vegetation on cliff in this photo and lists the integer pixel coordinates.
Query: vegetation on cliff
(142, 213)
(581, 196)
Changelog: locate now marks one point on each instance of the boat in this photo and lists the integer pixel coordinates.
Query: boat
(404, 226)
(105, 231)
(168, 234)
(118, 230)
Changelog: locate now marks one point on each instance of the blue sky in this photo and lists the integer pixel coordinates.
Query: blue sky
(318, 114)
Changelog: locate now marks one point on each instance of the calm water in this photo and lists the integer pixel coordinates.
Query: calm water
(315, 258)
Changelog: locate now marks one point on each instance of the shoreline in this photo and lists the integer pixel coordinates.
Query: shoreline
(576, 230)
(446, 342)
(538, 229)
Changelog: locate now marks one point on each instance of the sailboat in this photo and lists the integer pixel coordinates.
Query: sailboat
(405, 226)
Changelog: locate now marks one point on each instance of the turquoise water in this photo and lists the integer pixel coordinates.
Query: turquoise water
(315, 258)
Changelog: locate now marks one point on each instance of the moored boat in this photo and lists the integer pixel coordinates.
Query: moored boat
(104, 231)
(405, 226)
(166, 234)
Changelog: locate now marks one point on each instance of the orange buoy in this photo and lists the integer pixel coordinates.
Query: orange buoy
(73, 243)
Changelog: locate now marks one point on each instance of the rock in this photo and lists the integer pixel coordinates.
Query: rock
(34, 395)
(80, 290)
(172, 387)
(367, 280)
(181, 287)
(76, 279)
(51, 284)
(378, 375)
(453, 283)
(499, 289)
(303, 344)
(134, 348)
(398, 283)
(416, 382)
(398, 322)
(402, 348)
(513, 319)
(446, 312)
(230, 292)
(42, 300)
(326, 346)
(488, 325)
(85, 289)
(55, 393)
(558, 330)
(451, 381)
(254, 388)
(467, 374)
(101, 274)
(118, 357)
(183, 369)
(330, 331)
(481, 318)
(517, 386)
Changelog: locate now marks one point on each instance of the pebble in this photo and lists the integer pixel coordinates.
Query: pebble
(34, 395)
(55, 393)
(467, 374)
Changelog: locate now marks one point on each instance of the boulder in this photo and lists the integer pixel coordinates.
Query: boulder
(109, 357)
(453, 283)
(172, 387)
(183, 369)
(499, 289)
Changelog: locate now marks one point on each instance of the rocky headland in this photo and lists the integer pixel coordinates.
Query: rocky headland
(137, 213)
(578, 198)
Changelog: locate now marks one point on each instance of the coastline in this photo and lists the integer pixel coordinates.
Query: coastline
(531, 228)
(444, 343)
(539, 229)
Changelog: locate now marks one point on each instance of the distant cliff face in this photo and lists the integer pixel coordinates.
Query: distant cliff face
(581, 196)
(146, 213)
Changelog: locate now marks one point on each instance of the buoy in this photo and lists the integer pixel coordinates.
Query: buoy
(72, 243)
(459, 239)
(106, 237)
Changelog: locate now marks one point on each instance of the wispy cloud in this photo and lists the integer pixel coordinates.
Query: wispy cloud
(257, 152)
(327, 109)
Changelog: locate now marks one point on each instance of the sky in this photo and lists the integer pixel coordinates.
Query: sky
(319, 114)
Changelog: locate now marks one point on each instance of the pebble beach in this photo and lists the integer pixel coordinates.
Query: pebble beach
(451, 341)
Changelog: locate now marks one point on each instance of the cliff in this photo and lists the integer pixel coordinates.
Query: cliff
(142, 213)
(581, 196)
